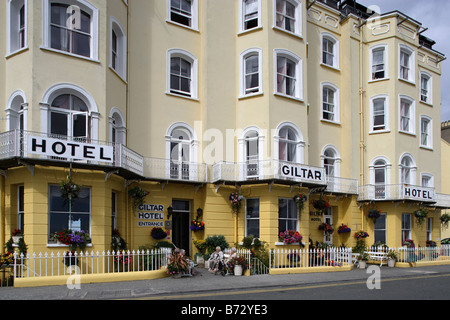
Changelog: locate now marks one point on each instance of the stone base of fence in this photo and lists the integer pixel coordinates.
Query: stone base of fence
(89, 278)
(280, 271)
(421, 264)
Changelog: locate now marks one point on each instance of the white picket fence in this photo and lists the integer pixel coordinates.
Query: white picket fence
(57, 264)
(302, 258)
(416, 254)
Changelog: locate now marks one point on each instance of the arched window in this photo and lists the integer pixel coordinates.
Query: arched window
(68, 110)
(181, 151)
(330, 102)
(330, 50)
(289, 143)
(288, 74)
(407, 170)
(251, 72)
(380, 177)
(117, 127)
(252, 153)
(331, 161)
(17, 26)
(16, 111)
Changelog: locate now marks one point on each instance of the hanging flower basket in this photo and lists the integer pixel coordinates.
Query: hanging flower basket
(138, 195)
(158, 233)
(300, 200)
(321, 205)
(408, 243)
(235, 201)
(69, 189)
(197, 225)
(445, 219)
(344, 229)
(361, 235)
(420, 216)
(326, 228)
(374, 214)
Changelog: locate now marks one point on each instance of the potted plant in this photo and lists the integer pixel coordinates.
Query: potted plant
(17, 234)
(420, 216)
(138, 195)
(326, 228)
(290, 237)
(197, 225)
(235, 199)
(445, 219)
(176, 265)
(321, 205)
(392, 257)
(238, 265)
(362, 260)
(158, 233)
(374, 214)
(69, 189)
(300, 200)
(344, 229)
(360, 235)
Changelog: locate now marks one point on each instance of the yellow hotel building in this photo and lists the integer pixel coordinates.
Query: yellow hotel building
(192, 100)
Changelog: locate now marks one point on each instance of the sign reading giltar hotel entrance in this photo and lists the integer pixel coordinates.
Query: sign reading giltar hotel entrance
(69, 149)
(151, 212)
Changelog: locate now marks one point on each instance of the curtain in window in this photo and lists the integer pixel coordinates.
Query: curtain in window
(252, 74)
(285, 17)
(378, 64)
(286, 76)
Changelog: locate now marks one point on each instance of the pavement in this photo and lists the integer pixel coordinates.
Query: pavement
(203, 282)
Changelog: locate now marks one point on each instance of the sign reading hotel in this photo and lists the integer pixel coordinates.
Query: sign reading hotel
(69, 149)
(418, 193)
(152, 214)
(302, 173)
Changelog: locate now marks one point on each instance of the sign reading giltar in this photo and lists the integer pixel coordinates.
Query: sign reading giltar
(69, 149)
(299, 172)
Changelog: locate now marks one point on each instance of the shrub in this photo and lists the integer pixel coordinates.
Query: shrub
(216, 240)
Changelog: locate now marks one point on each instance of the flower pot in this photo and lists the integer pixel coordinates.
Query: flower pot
(238, 270)
(16, 239)
(391, 263)
(362, 264)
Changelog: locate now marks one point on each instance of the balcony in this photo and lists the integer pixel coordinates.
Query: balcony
(169, 170)
(17, 147)
(397, 192)
(268, 170)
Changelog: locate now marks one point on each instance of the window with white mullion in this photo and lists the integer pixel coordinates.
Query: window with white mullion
(180, 76)
(181, 12)
(328, 52)
(404, 65)
(21, 33)
(285, 15)
(328, 104)
(425, 132)
(379, 114)
(378, 67)
(114, 50)
(252, 74)
(286, 76)
(251, 14)
(405, 116)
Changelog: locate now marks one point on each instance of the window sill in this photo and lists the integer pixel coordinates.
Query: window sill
(290, 244)
(251, 95)
(407, 81)
(379, 131)
(244, 32)
(330, 67)
(56, 245)
(289, 97)
(118, 75)
(379, 80)
(407, 133)
(296, 35)
(70, 54)
(331, 122)
(426, 103)
(426, 148)
(19, 51)
(181, 96)
(183, 26)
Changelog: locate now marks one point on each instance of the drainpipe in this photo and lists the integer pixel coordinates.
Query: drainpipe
(2, 213)
(362, 142)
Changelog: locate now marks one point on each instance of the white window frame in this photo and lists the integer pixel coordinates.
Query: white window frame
(300, 144)
(298, 89)
(412, 115)
(242, 72)
(335, 44)
(336, 104)
(117, 126)
(247, 218)
(429, 228)
(429, 133)
(411, 63)
(121, 51)
(383, 47)
(13, 30)
(406, 232)
(194, 17)
(84, 5)
(372, 114)
(430, 178)
(429, 94)
(412, 170)
(194, 72)
(242, 28)
(337, 160)
(296, 219)
(298, 18)
(382, 216)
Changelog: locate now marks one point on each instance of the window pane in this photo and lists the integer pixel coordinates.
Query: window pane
(83, 202)
(59, 124)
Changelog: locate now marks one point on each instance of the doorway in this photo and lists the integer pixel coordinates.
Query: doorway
(181, 233)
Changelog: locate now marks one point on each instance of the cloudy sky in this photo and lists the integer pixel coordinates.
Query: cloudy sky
(433, 14)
